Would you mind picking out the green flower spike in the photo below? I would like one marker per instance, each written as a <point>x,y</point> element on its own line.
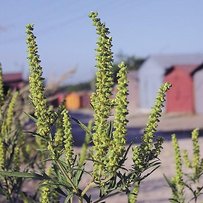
<point>178,179</point>
<point>141,153</point>
<point>148,151</point>
<point>100,100</point>
<point>16,159</point>
<point>120,121</point>
<point>132,198</point>
<point>44,194</point>
<point>1,154</point>
<point>68,139</point>
<point>42,112</point>
<point>196,152</point>
<point>154,117</point>
<point>196,164</point>
<point>59,135</point>
<point>186,159</point>
<point>7,123</point>
<point>84,150</point>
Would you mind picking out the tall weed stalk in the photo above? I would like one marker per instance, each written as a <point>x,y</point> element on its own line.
<point>61,178</point>
<point>187,185</point>
<point>14,152</point>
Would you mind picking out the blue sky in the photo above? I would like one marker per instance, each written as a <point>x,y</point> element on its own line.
<point>67,39</point>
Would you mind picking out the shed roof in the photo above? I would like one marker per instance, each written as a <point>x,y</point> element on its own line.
<point>168,60</point>
<point>80,93</point>
<point>189,68</point>
<point>12,77</point>
<point>200,67</point>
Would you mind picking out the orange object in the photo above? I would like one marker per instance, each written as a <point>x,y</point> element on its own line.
<point>77,100</point>
<point>73,101</point>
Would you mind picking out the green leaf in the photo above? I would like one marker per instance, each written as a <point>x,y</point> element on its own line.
<point>110,130</point>
<point>24,175</point>
<point>168,180</point>
<point>173,200</point>
<point>67,200</point>
<point>83,126</point>
<point>31,117</point>
<point>78,176</point>
<point>37,135</point>
<point>145,176</point>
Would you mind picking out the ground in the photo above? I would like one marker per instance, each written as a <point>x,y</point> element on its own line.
<point>155,189</point>
<point>169,122</point>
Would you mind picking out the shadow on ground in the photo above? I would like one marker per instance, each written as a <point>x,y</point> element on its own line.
<point>133,135</point>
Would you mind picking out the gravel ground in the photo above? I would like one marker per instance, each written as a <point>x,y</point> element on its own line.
<point>169,122</point>
<point>155,189</point>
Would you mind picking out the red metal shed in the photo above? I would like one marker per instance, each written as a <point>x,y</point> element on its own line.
<point>13,81</point>
<point>180,98</point>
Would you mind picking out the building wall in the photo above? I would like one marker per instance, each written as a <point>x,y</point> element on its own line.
<point>85,100</point>
<point>150,80</point>
<point>180,97</point>
<point>133,90</point>
<point>198,91</point>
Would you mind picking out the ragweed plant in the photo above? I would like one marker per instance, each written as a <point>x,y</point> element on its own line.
<point>12,142</point>
<point>118,142</point>
<point>101,100</point>
<point>37,93</point>
<point>188,174</point>
<point>177,184</point>
<point>68,139</point>
<point>145,156</point>
<point>102,163</point>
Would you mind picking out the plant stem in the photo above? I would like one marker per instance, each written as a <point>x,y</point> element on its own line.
<point>9,196</point>
<point>105,197</point>
<point>132,198</point>
<point>90,185</point>
<point>80,200</point>
<point>67,177</point>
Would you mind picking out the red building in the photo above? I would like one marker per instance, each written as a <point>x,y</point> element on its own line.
<point>180,98</point>
<point>13,81</point>
<point>56,99</point>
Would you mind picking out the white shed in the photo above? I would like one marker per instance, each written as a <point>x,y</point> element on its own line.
<point>198,89</point>
<point>151,74</point>
<point>133,97</point>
